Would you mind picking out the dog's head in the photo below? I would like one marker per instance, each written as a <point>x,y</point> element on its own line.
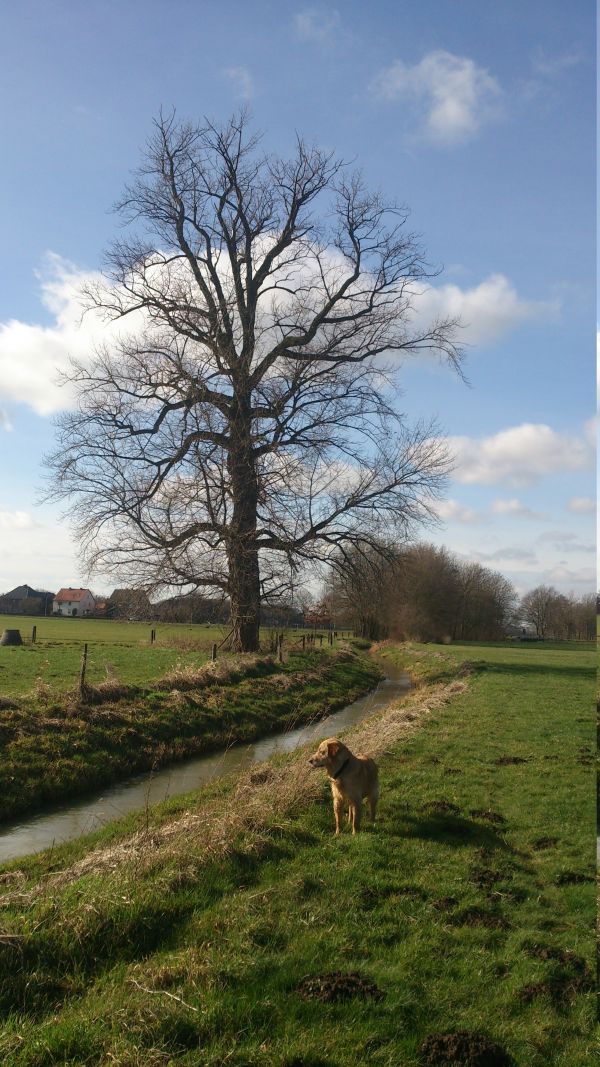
<point>327,753</point>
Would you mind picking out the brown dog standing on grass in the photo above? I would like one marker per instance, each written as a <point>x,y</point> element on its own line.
<point>352,778</point>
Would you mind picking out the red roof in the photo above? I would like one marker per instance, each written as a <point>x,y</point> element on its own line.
<point>72,594</point>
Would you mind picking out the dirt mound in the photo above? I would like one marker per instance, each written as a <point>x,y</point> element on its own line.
<point>488,816</point>
<point>506,761</point>
<point>569,975</point>
<point>339,985</point>
<point>486,878</point>
<point>444,903</point>
<point>544,842</point>
<point>465,1048</point>
<point>573,878</point>
<point>441,807</point>
<point>480,917</point>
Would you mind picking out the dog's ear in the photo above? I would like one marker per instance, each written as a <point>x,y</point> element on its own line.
<point>333,747</point>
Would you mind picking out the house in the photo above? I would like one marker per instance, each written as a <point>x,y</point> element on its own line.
<point>26,601</point>
<point>73,602</point>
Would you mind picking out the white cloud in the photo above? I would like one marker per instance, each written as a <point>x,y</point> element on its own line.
<point>582,505</point>
<point>5,423</point>
<point>515,508</point>
<point>487,311</point>
<point>16,520</point>
<point>32,357</point>
<point>452,511</point>
<point>551,66</point>
<point>583,576</point>
<point>455,96</point>
<point>508,554</point>
<point>242,81</point>
<point>316,25</point>
<point>519,455</point>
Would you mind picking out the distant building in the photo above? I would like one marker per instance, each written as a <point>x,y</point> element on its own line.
<point>26,601</point>
<point>74,602</point>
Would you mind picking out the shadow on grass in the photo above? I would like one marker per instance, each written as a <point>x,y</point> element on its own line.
<point>454,830</point>
<point>487,666</point>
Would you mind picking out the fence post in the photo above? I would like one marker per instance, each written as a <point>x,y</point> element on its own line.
<point>303,641</point>
<point>82,671</point>
<point>33,635</point>
<point>152,636</point>
<point>213,655</point>
<point>280,648</point>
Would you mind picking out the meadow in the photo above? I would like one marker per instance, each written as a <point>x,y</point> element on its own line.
<point>231,927</point>
<point>117,651</point>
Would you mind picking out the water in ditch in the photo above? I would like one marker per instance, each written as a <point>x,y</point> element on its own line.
<point>67,821</point>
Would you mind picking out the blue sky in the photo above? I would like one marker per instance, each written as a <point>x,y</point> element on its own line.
<point>480,117</point>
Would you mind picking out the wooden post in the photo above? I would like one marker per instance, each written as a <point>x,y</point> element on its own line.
<point>303,641</point>
<point>213,654</point>
<point>321,640</point>
<point>152,636</point>
<point>280,648</point>
<point>82,671</point>
<point>34,635</point>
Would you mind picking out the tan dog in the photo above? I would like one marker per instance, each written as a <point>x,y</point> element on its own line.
<point>352,778</point>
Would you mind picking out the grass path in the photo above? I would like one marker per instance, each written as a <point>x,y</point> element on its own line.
<point>213,939</point>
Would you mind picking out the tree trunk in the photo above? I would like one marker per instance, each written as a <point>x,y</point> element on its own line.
<point>244,594</point>
<point>244,576</point>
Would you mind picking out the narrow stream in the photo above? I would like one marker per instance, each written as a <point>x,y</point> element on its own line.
<point>72,819</point>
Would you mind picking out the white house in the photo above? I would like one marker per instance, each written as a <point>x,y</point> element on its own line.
<point>73,602</point>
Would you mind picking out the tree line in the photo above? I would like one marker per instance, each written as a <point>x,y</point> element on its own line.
<point>426,593</point>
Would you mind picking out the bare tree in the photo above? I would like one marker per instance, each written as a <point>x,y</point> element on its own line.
<point>247,424</point>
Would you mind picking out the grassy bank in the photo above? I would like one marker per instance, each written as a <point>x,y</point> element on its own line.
<point>54,748</point>
<point>236,929</point>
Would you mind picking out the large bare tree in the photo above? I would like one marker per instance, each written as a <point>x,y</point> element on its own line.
<point>246,423</point>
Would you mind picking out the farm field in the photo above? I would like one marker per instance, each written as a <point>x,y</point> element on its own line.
<point>117,651</point>
<point>232,927</point>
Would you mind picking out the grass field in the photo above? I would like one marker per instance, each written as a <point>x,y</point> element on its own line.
<point>119,651</point>
<point>235,929</point>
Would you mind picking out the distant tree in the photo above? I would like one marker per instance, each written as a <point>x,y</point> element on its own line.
<point>558,616</point>
<point>249,427</point>
<point>422,592</point>
<point>539,607</point>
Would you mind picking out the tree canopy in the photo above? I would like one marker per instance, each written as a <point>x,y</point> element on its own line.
<point>245,423</point>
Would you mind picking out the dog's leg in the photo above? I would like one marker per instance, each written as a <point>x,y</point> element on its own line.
<point>373,798</point>
<point>356,810</point>
<point>338,811</point>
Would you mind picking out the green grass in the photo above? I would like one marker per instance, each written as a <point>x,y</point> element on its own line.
<point>55,748</point>
<point>473,917</point>
<point>120,651</point>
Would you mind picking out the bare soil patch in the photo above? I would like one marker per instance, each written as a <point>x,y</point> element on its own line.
<point>441,807</point>
<point>337,986</point>
<point>481,917</point>
<point>488,816</point>
<point>543,843</point>
<point>507,761</point>
<point>464,1048</point>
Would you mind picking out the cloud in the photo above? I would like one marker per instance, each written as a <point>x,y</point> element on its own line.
<point>454,96</point>
<point>242,81</point>
<point>5,423</point>
<point>519,456</point>
<point>16,520</point>
<point>565,541</point>
<point>316,25</point>
<point>551,66</point>
<point>452,511</point>
<point>508,554</point>
<point>32,357</point>
<point>515,508</point>
<point>582,505</point>
<point>487,311</point>
<point>583,576</point>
